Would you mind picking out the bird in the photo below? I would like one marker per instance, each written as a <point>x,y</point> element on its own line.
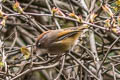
<point>57,42</point>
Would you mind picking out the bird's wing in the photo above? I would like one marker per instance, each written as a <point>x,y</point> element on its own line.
<point>66,34</point>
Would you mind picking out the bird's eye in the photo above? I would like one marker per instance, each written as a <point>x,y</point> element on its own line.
<point>38,45</point>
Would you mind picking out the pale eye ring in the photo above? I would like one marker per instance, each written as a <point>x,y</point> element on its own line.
<point>39,44</point>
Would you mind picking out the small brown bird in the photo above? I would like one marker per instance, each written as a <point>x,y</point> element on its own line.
<point>59,41</point>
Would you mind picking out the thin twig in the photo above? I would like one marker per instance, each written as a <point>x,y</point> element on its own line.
<point>83,66</point>
<point>34,69</point>
<point>60,72</point>
<point>106,54</point>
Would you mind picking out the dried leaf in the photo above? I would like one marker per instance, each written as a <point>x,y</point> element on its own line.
<point>57,11</point>
<point>116,30</point>
<point>107,23</point>
<point>117,2</point>
<point>1,13</point>
<point>25,52</point>
<point>79,18</point>
<point>1,64</point>
<point>17,7</point>
<point>72,15</point>
<point>54,10</point>
<point>92,17</point>
<point>3,22</point>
